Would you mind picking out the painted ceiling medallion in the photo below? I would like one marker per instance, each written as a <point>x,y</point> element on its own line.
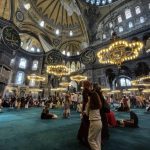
<point>19,16</point>
<point>88,57</point>
<point>54,57</point>
<point>11,38</point>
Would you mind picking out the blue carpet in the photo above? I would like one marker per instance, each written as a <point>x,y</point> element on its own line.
<point>24,130</point>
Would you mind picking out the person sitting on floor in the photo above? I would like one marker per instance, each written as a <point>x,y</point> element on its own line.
<point>132,122</point>
<point>112,122</point>
<point>121,108</point>
<point>46,115</point>
<point>148,108</point>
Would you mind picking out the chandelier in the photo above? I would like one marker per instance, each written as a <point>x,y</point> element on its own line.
<point>105,89</point>
<point>119,51</point>
<point>58,70</point>
<point>35,77</point>
<point>141,81</point>
<point>145,78</point>
<point>78,78</point>
<point>35,90</point>
<point>146,91</point>
<point>100,2</point>
<point>64,84</point>
<point>58,89</point>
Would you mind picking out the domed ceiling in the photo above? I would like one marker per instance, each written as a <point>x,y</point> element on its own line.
<point>55,24</point>
<point>5,9</point>
<point>61,21</point>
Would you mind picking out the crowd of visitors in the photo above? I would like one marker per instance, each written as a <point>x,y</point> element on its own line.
<point>94,107</point>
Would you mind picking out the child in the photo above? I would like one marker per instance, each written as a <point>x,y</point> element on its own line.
<point>66,113</point>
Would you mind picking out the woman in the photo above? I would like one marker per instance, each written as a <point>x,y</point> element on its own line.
<point>94,137</point>
<point>84,126</point>
<point>105,109</point>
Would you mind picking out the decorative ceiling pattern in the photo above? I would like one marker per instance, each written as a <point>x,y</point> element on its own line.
<point>100,2</point>
<point>63,16</point>
<point>5,10</point>
<point>55,13</point>
<point>55,24</point>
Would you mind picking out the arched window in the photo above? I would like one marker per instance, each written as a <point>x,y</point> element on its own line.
<point>137,10</point>
<point>73,67</point>
<point>120,29</point>
<point>23,63</point>
<point>12,62</point>
<point>111,32</point>
<point>78,65</point>
<point>35,65</point>
<point>119,19</point>
<point>142,19</point>
<point>68,65</point>
<point>123,81</point>
<point>20,77</point>
<point>128,13</point>
<point>104,36</point>
<point>64,52</point>
<point>32,83</point>
<point>130,25</point>
<point>68,53</point>
<point>110,25</point>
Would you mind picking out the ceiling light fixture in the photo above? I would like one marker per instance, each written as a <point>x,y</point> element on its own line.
<point>119,51</point>
<point>64,84</point>
<point>58,70</point>
<point>35,77</point>
<point>78,78</point>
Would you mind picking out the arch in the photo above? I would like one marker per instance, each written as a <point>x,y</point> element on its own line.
<point>78,65</point>
<point>73,67</point>
<point>68,65</point>
<point>121,82</point>
<point>124,70</point>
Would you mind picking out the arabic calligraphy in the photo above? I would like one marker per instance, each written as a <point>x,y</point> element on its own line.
<point>88,57</point>
<point>11,38</point>
<point>54,57</point>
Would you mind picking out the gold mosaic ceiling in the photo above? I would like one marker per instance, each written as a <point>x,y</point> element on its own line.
<point>5,9</point>
<point>62,15</point>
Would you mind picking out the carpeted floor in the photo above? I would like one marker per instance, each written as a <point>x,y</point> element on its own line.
<point>24,130</point>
